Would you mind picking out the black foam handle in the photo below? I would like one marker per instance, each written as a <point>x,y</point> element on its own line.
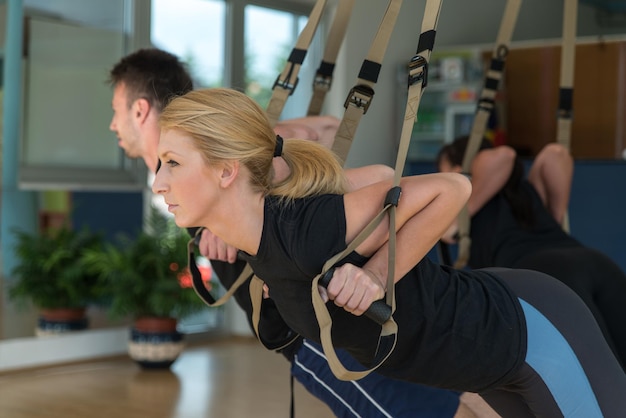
<point>378,311</point>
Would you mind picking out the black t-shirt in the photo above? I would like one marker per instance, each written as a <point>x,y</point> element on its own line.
<point>457,329</point>
<point>499,240</point>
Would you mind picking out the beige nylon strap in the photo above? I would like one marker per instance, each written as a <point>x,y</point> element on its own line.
<point>360,96</point>
<point>390,328</point>
<point>417,73</point>
<point>287,80</point>
<point>568,58</point>
<point>256,295</point>
<point>324,78</point>
<point>484,110</point>
<point>203,292</point>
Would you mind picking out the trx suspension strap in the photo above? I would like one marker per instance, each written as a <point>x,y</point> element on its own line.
<point>417,77</point>
<point>484,109</point>
<point>287,81</point>
<point>196,277</point>
<point>324,74</point>
<point>566,90</point>
<point>377,50</point>
<point>360,96</point>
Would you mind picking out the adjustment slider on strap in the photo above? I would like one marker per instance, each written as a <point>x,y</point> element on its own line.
<point>322,82</point>
<point>486,104</point>
<point>284,84</point>
<point>360,96</point>
<point>418,70</point>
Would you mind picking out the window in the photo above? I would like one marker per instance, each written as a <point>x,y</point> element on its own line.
<point>198,31</point>
<point>66,143</point>
<point>269,38</point>
<point>194,31</point>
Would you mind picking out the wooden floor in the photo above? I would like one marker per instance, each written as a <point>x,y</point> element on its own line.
<point>234,378</point>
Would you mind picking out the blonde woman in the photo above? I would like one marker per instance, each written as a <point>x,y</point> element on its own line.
<point>503,333</point>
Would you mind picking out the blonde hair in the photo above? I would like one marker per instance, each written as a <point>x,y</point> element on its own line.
<point>228,125</point>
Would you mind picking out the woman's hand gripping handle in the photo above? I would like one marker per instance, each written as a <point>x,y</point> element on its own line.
<point>378,311</point>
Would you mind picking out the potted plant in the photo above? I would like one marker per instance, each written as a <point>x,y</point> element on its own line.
<point>147,279</point>
<point>51,274</point>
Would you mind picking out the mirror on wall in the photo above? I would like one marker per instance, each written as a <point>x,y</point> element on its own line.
<point>64,143</point>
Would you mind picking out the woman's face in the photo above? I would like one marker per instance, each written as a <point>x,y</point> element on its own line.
<point>188,184</point>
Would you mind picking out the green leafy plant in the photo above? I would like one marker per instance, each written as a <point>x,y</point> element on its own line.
<point>51,271</point>
<point>148,275</point>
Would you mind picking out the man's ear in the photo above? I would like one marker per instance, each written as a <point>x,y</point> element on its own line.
<point>141,110</point>
<point>229,172</point>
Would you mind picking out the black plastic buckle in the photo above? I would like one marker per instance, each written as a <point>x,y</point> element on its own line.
<point>360,96</point>
<point>322,82</point>
<point>486,104</point>
<point>565,114</point>
<point>285,84</point>
<point>393,196</point>
<point>418,70</point>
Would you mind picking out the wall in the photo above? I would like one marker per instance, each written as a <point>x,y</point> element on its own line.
<point>539,21</point>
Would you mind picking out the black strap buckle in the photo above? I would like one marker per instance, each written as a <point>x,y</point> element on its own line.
<point>565,114</point>
<point>393,196</point>
<point>360,96</point>
<point>322,82</point>
<point>418,70</point>
<point>284,84</point>
<point>486,104</point>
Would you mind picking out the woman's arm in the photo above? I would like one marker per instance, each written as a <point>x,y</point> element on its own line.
<point>427,206</point>
<point>365,176</point>
<point>551,175</point>
<point>491,169</point>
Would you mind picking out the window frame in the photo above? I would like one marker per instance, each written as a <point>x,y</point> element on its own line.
<point>131,174</point>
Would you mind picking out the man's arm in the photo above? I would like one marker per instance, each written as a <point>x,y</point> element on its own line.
<point>321,129</point>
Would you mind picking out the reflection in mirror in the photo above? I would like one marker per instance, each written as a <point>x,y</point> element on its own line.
<point>67,47</point>
<point>67,54</point>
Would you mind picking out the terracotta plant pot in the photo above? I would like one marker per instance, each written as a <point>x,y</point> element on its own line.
<point>61,321</point>
<point>154,342</point>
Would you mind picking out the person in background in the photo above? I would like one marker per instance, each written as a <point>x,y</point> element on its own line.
<point>520,338</point>
<point>143,83</point>
<point>516,222</point>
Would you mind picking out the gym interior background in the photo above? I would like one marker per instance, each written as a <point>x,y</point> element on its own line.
<point>59,159</point>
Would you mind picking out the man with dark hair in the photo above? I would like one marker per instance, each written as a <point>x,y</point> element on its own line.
<point>143,83</point>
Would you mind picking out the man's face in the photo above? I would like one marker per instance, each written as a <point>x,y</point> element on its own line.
<point>125,123</point>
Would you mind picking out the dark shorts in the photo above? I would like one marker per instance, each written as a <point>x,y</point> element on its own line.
<point>374,395</point>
